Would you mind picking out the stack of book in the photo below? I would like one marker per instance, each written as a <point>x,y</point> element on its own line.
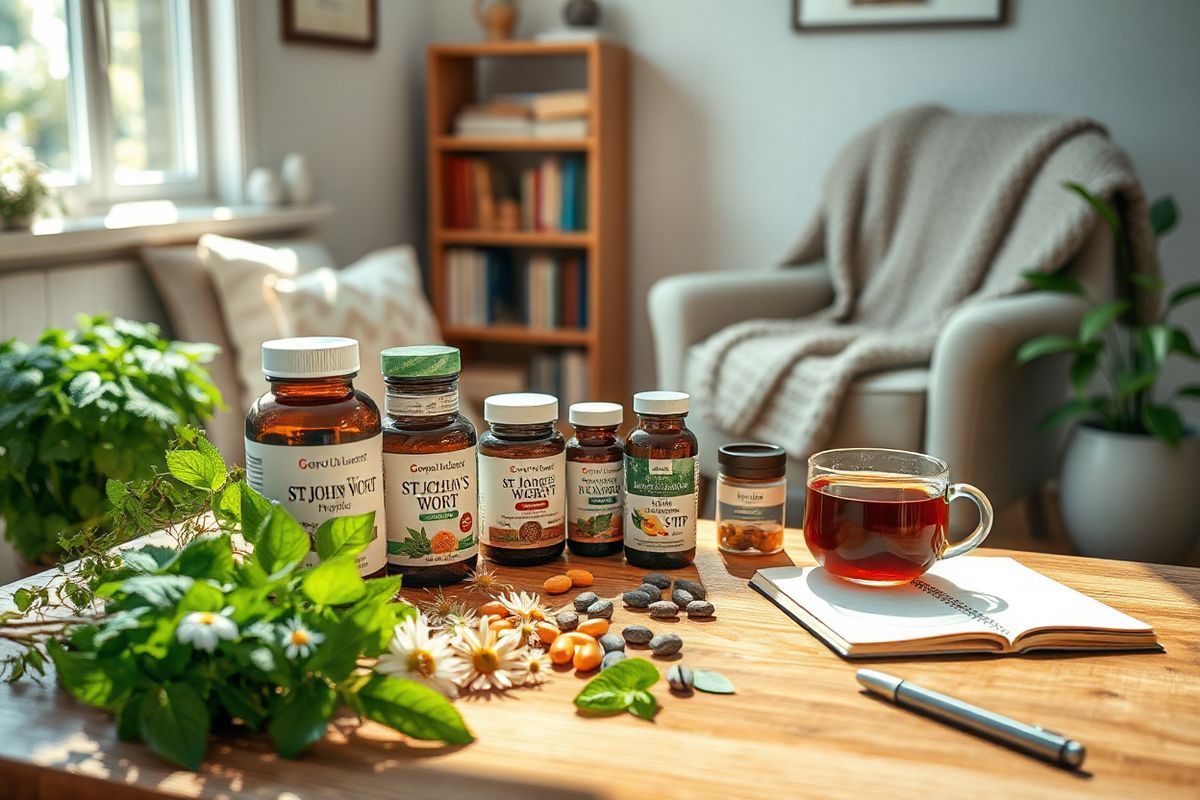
<point>531,115</point>
<point>550,197</point>
<point>489,287</point>
<point>562,373</point>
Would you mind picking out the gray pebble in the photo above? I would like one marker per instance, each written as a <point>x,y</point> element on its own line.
<point>681,597</point>
<point>700,608</point>
<point>666,644</point>
<point>566,621</point>
<point>680,678</point>
<point>637,634</point>
<point>600,608</point>
<point>612,641</point>
<point>664,609</point>
<point>585,599</point>
<point>654,592</point>
<point>657,579</point>
<point>636,599</point>
<point>611,658</point>
<point>696,590</point>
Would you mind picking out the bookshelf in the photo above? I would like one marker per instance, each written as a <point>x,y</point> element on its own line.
<point>454,77</point>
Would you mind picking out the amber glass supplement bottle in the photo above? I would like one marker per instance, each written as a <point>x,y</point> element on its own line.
<point>522,471</point>
<point>595,480</point>
<point>314,443</point>
<point>751,498</point>
<point>662,483</point>
<point>428,468</point>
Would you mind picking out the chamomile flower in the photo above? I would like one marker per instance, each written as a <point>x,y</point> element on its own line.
<point>415,653</point>
<point>438,609</point>
<point>459,623</point>
<point>525,606</point>
<point>526,630</point>
<point>491,658</point>
<point>298,639</point>
<point>204,629</point>
<point>485,581</point>
<point>534,667</point>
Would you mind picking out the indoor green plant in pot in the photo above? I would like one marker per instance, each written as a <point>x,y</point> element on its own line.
<point>81,407</point>
<point>23,190</point>
<point>1130,486</point>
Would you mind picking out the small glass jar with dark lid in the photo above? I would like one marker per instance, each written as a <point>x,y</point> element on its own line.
<point>751,498</point>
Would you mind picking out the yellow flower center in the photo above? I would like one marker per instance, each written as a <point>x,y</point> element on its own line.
<point>207,618</point>
<point>300,637</point>
<point>535,667</point>
<point>485,661</point>
<point>422,663</point>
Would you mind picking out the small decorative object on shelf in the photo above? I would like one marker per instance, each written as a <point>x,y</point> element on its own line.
<point>264,188</point>
<point>581,13</point>
<point>314,443</point>
<point>23,192</point>
<point>298,179</point>
<point>498,18</point>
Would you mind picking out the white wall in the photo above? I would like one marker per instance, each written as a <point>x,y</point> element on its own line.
<point>357,115</point>
<point>736,116</point>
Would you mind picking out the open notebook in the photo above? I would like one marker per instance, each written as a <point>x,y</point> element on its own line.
<point>962,605</point>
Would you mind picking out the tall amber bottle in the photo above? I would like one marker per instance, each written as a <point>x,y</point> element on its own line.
<point>429,470</point>
<point>662,481</point>
<point>595,480</point>
<point>314,443</point>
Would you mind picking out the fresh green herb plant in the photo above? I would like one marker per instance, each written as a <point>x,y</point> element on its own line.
<point>178,641</point>
<point>622,687</point>
<point>1120,341</point>
<point>23,190</point>
<point>81,407</point>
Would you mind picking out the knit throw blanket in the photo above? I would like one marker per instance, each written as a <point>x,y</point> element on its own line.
<point>921,214</point>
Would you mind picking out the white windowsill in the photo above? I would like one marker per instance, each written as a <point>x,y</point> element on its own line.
<point>132,225</point>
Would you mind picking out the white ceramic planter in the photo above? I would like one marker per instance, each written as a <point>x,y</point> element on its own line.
<point>1131,497</point>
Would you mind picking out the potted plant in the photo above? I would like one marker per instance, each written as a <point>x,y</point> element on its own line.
<point>23,191</point>
<point>84,406</point>
<point>1130,485</point>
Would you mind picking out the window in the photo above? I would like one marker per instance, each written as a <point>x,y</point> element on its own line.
<point>107,93</point>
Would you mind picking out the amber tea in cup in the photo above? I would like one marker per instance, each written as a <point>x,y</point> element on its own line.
<point>880,517</point>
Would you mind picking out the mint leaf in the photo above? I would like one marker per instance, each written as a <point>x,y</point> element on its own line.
<point>23,598</point>
<point>620,687</point>
<point>334,582</point>
<point>412,709</point>
<point>282,543</point>
<point>207,557</point>
<point>301,719</point>
<point>255,510</point>
<point>228,505</point>
<point>159,591</point>
<point>643,705</point>
<point>103,683</point>
<point>337,656</point>
<point>173,722</point>
<point>196,469</point>
<point>711,682</point>
<point>345,535</point>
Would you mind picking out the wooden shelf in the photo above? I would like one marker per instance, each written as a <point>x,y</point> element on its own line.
<point>518,334</point>
<point>497,144</point>
<point>515,238</point>
<point>515,48</point>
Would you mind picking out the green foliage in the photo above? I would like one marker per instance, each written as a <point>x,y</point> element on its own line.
<point>1115,340</point>
<point>594,526</point>
<point>622,687</point>
<point>137,658</point>
<point>81,408</point>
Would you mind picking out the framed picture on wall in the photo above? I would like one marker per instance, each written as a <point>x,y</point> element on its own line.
<point>339,23</point>
<point>825,15</point>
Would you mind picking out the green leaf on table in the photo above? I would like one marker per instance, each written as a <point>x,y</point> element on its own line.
<point>1050,344</point>
<point>173,722</point>
<point>206,557</point>
<point>1183,294</point>
<point>103,683</point>
<point>301,718</point>
<point>1163,215</point>
<point>412,709</point>
<point>1106,211</point>
<point>345,535</point>
<point>196,469</point>
<point>1097,319</point>
<point>711,682</point>
<point>255,511</point>
<point>333,582</point>
<point>1163,422</point>
<point>617,688</point>
<point>241,703</point>
<point>282,543</point>
<point>1053,282</point>
<point>643,705</point>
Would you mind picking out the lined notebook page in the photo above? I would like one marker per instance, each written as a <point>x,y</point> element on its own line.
<point>965,596</point>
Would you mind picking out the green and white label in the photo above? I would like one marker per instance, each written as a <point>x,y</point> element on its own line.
<point>432,507</point>
<point>661,503</point>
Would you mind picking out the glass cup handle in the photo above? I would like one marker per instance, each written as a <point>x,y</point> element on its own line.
<point>981,531</point>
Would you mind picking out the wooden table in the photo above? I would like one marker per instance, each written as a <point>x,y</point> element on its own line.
<point>798,726</point>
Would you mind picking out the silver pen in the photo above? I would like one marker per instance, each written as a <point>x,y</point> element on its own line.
<point>1028,738</point>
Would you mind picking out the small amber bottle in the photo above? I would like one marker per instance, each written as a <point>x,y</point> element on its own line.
<point>595,480</point>
<point>313,441</point>
<point>429,471</point>
<point>662,482</point>
<point>522,468</point>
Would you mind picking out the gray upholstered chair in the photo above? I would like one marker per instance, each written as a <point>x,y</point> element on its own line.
<point>970,406</point>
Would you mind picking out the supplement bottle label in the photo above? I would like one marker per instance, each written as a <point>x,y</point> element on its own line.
<point>521,503</point>
<point>319,482</point>
<point>431,507</point>
<point>421,405</point>
<point>594,508</point>
<point>661,503</point>
<point>751,504</point>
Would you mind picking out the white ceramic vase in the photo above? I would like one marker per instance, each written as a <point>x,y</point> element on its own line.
<point>1131,497</point>
<point>298,179</point>
<point>263,188</point>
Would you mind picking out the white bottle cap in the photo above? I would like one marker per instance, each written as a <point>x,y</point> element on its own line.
<point>521,408</point>
<point>310,357</point>
<point>596,415</point>
<point>661,402</point>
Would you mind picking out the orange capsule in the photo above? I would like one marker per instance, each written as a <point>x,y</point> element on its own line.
<point>546,632</point>
<point>580,577</point>
<point>587,656</point>
<point>594,627</point>
<point>499,625</point>
<point>557,584</point>
<point>493,609</point>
